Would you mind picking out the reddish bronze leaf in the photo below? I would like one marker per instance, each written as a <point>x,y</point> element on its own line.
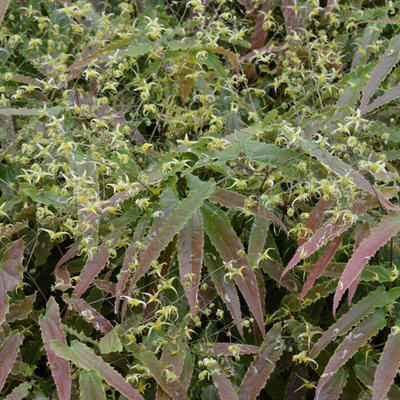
<point>190,256</point>
<point>8,353</point>
<point>50,325</point>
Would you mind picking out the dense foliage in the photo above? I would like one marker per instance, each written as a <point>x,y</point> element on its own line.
<point>188,190</point>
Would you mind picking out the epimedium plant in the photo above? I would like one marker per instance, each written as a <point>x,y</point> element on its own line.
<point>189,189</point>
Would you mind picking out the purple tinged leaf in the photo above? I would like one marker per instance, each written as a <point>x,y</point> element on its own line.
<point>316,216</point>
<point>85,358</point>
<point>175,359</point>
<point>333,388</point>
<point>350,345</point>
<point>224,238</point>
<point>226,289</point>
<point>91,386</point>
<point>171,226</point>
<point>95,265</point>
<point>128,259</point>
<point>360,234</point>
<point>20,392</point>
<point>223,384</point>
<point>190,256</point>
<point>388,365</point>
<point>320,265</point>
<point>263,364</point>
<point>8,354</point>
<point>383,232</point>
<point>21,310</point>
<point>237,201</point>
<point>61,272</point>
<point>357,312</point>
<point>391,94</point>
<point>329,8</point>
<point>159,371</point>
<point>10,273</point>
<point>89,313</point>
<point>385,65</point>
<point>3,8</point>
<point>274,270</point>
<point>329,231</point>
<point>292,17</point>
<point>50,325</point>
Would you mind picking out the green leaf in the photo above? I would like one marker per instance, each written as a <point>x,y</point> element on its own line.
<point>20,392</point>
<point>110,342</point>
<point>90,386</point>
<point>258,234</point>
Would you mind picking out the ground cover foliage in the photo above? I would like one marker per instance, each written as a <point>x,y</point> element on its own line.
<point>199,200</point>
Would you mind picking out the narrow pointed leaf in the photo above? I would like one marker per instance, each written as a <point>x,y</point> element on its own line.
<point>158,370</point>
<point>190,256</point>
<point>391,94</point>
<point>8,354</point>
<point>275,270</point>
<point>333,388</point>
<point>350,345</point>
<point>320,265</point>
<point>88,312</point>
<point>61,273</point>
<point>95,265</point>
<point>50,325</point>
<point>328,231</point>
<point>90,386</point>
<point>388,366</point>
<point>85,358</point>
<point>238,202</point>
<point>226,289</point>
<point>223,384</point>
<point>173,357</point>
<point>10,273</point>
<point>360,234</point>
<point>172,225</point>
<point>357,312</point>
<point>366,371</point>
<point>263,364</point>
<point>21,310</point>
<point>20,392</point>
<point>126,264</point>
<point>3,8</point>
<point>292,17</point>
<point>383,232</point>
<point>258,234</point>
<point>385,65</point>
<point>316,216</point>
<point>224,238</point>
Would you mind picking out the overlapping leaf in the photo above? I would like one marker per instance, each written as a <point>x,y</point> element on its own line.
<point>85,358</point>
<point>10,273</point>
<point>50,325</point>
<point>8,353</point>
<point>357,338</point>
<point>385,230</point>
<point>224,238</point>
